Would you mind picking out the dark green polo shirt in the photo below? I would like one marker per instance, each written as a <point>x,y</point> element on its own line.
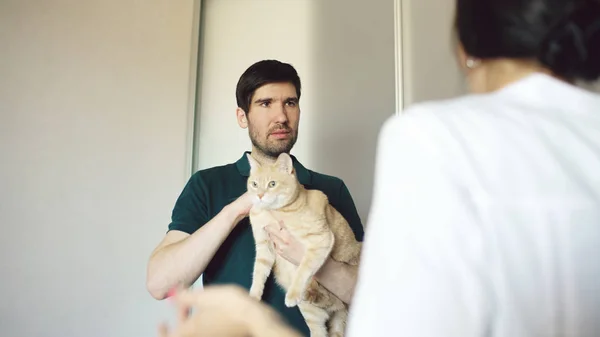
<point>209,190</point>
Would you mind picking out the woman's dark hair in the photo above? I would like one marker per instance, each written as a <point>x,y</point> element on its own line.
<point>261,73</point>
<point>563,35</point>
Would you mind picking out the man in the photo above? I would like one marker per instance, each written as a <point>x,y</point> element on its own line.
<point>210,232</point>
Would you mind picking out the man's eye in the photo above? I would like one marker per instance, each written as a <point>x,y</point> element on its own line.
<point>291,104</point>
<point>265,104</point>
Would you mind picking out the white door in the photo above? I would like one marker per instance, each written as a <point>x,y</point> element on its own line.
<point>430,69</point>
<point>343,51</point>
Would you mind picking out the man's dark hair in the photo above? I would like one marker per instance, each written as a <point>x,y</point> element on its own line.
<point>563,35</point>
<point>261,73</point>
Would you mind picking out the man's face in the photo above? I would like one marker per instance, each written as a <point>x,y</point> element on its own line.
<point>273,118</point>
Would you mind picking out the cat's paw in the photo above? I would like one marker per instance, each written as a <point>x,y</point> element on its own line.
<point>292,298</point>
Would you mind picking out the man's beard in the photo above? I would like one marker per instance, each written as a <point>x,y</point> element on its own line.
<point>273,148</point>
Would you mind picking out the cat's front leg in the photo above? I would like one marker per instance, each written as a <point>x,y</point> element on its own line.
<point>263,264</point>
<point>317,252</point>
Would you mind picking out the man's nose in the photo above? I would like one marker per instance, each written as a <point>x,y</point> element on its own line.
<point>281,114</point>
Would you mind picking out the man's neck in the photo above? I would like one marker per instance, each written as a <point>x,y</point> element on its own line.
<point>262,158</point>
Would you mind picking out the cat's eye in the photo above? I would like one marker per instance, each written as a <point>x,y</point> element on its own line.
<point>254,184</point>
<point>272,184</point>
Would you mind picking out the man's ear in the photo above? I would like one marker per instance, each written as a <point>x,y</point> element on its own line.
<point>241,118</point>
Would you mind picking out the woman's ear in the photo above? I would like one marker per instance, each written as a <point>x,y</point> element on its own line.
<point>241,118</point>
<point>461,56</point>
<point>466,62</point>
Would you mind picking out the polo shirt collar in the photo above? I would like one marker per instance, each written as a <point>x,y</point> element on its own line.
<point>304,176</point>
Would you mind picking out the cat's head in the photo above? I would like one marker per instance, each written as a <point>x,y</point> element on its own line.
<point>273,185</point>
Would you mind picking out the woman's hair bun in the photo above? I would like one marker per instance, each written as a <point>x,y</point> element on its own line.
<point>572,48</point>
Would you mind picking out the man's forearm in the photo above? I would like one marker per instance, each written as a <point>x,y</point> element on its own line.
<point>339,278</point>
<point>182,262</point>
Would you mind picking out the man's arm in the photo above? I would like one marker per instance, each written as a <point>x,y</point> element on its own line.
<point>339,277</point>
<point>180,258</point>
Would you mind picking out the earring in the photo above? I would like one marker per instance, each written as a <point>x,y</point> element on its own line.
<point>472,63</point>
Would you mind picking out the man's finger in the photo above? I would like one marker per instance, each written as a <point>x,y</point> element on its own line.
<point>282,224</point>
<point>281,234</point>
<point>278,242</point>
<point>273,229</point>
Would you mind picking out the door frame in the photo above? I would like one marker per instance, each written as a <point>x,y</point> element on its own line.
<point>398,55</point>
<point>193,120</point>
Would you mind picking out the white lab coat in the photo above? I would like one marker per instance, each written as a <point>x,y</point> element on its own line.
<point>485,219</point>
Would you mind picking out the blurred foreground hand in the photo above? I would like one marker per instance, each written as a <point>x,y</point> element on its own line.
<point>223,311</point>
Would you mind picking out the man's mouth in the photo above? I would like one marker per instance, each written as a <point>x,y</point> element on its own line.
<point>280,134</point>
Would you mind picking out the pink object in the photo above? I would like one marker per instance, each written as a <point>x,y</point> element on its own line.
<point>171,292</point>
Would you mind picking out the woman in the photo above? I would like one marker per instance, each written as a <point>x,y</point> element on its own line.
<point>486,213</point>
<point>486,210</point>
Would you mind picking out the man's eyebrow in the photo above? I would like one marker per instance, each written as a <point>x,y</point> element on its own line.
<point>263,100</point>
<point>291,99</point>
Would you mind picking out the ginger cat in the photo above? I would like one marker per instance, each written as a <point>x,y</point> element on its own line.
<point>308,216</point>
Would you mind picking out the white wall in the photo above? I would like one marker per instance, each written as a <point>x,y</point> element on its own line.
<point>430,68</point>
<point>344,53</point>
<point>93,145</point>
<point>95,130</point>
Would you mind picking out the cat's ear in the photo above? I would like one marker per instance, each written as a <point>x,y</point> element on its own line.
<point>254,165</point>
<point>284,163</point>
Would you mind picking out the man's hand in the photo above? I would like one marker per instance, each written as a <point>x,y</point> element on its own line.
<point>226,311</point>
<point>337,277</point>
<point>241,206</point>
<point>181,258</point>
<point>286,245</point>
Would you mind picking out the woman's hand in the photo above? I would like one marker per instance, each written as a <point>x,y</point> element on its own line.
<point>225,311</point>
<point>286,245</point>
<point>218,311</point>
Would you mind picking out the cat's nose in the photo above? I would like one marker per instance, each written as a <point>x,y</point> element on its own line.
<point>260,195</point>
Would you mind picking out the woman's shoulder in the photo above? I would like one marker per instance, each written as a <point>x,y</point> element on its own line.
<point>538,94</point>
<point>431,115</point>
<point>440,130</point>
<point>451,106</point>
